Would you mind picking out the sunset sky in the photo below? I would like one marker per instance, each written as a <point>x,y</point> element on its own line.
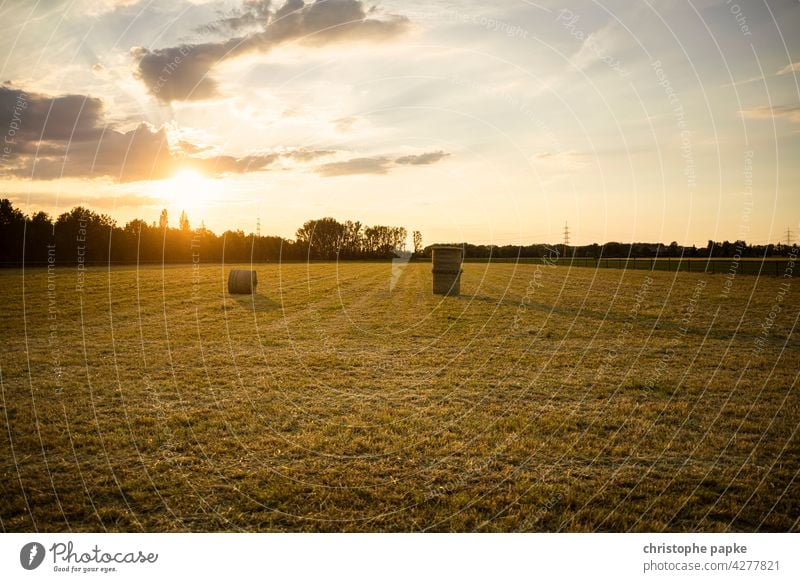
<point>492,122</point>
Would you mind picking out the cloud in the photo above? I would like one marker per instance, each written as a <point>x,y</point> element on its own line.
<point>65,117</point>
<point>345,124</point>
<point>232,165</point>
<point>565,160</point>
<point>251,163</point>
<point>422,159</point>
<point>304,155</point>
<point>253,14</point>
<point>791,112</point>
<point>190,148</point>
<point>67,136</point>
<point>100,7</point>
<point>182,73</point>
<point>790,68</point>
<point>376,165</point>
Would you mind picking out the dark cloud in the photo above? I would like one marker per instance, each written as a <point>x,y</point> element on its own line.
<point>253,14</point>
<point>422,159</point>
<point>139,154</point>
<point>65,117</point>
<point>66,136</point>
<point>377,165</point>
<point>181,73</point>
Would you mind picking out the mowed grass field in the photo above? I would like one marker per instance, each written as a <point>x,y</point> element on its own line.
<point>542,399</point>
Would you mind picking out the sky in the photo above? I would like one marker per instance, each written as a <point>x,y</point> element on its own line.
<point>488,122</point>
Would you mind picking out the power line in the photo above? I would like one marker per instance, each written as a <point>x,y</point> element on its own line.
<point>788,236</point>
<point>566,234</point>
<point>258,227</point>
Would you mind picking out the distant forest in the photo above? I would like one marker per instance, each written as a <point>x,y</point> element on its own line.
<point>83,236</point>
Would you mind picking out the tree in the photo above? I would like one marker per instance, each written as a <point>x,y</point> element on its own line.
<point>38,235</point>
<point>184,221</point>
<point>322,237</point>
<point>83,235</point>
<point>351,240</point>
<point>673,249</point>
<point>417,238</point>
<point>10,215</point>
<point>163,220</point>
<point>12,227</point>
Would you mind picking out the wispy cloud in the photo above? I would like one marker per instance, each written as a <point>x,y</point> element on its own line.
<point>422,159</point>
<point>345,124</point>
<point>377,164</point>
<point>566,160</point>
<point>790,112</point>
<point>790,68</point>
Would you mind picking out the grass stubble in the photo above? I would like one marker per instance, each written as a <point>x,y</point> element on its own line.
<point>542,399</point>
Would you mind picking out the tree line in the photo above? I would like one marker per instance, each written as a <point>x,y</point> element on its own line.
<point>81,235</point>
<point>713,249</point>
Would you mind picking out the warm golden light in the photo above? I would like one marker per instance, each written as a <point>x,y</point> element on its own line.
<point>187,190</point>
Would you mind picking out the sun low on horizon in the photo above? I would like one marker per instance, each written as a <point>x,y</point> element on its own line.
<point>188,190</point>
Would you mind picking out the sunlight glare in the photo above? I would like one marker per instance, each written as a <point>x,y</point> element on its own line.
<point>187,190</point>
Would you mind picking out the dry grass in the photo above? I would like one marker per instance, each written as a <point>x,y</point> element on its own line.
<point>555,401</point>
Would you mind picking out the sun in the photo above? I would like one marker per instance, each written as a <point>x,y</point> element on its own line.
<point>187,189</point>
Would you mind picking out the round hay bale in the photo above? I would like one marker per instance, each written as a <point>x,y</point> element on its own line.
<point>447,283</point>
<point>446,270</point>
<point>447,259</point>
<point>242,282</point>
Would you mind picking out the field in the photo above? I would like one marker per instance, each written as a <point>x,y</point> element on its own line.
<point>545,398</point>
<point>766,267</point>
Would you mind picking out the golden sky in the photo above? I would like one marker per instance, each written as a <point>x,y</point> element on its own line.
<point>491,122</point>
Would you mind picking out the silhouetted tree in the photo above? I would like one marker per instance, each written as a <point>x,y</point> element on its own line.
<point>12,228</point>
<point>184,221</point>
<point>322,237</point>
<point>81,234</point>
<point>417,241</point>
<point>38,235</point>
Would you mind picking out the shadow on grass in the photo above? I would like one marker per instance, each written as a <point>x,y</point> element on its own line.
<point>256,302</point>
<point>479,298</point>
